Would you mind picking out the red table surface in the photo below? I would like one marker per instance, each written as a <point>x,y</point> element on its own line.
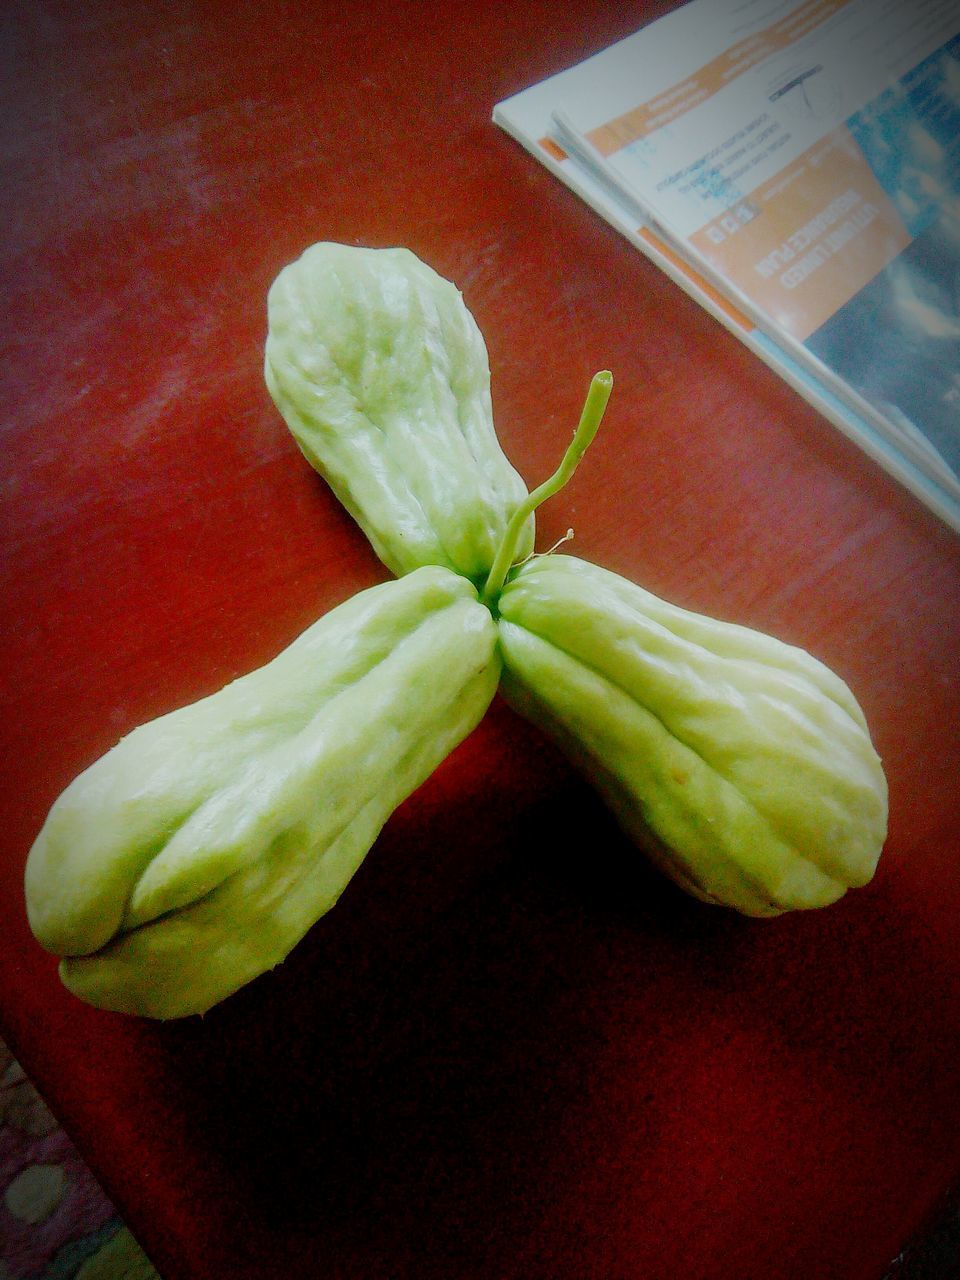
<point>512,1050</point>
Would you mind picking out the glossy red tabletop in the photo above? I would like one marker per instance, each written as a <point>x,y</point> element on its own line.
<point>512,1051</point>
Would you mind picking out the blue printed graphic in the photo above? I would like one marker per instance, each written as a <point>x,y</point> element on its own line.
<point>910,137</point>
<point>898,341</point>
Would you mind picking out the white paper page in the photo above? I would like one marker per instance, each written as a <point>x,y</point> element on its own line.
<point>716,116</point>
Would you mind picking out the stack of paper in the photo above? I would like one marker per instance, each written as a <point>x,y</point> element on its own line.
<point>795,166</point>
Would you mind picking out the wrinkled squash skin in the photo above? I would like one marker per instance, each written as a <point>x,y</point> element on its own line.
<point>742,764</point>
<point>196,853</point>
<point>381,374</point>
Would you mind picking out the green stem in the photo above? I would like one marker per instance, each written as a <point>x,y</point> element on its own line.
<point>587,428</point>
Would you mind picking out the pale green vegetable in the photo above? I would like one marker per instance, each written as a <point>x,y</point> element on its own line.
<point>381,374</point>
<point>197,852</point>
<point>743,765</point>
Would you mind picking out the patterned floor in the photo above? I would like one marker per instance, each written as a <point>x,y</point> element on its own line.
<point>55,1221</point>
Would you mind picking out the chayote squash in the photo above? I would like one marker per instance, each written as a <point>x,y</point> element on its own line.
<point>742,764</point>
<point>197,852</point>
<point>381,374</point>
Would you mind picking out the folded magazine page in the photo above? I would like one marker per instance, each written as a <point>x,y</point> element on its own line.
<point>796,166</point>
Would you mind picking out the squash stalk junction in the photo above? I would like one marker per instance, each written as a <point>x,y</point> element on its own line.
<point>590,418</point>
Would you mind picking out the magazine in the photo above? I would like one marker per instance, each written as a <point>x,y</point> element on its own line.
<point>795,166</point>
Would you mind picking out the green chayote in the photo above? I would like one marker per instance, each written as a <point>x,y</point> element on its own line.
<point>381,374</point>
<point>742,764</point>
<point>195,854</point>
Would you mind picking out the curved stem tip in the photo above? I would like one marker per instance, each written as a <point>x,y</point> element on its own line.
<point>590,419</point>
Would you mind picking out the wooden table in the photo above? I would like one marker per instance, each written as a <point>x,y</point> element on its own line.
<point>512,1050</point>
